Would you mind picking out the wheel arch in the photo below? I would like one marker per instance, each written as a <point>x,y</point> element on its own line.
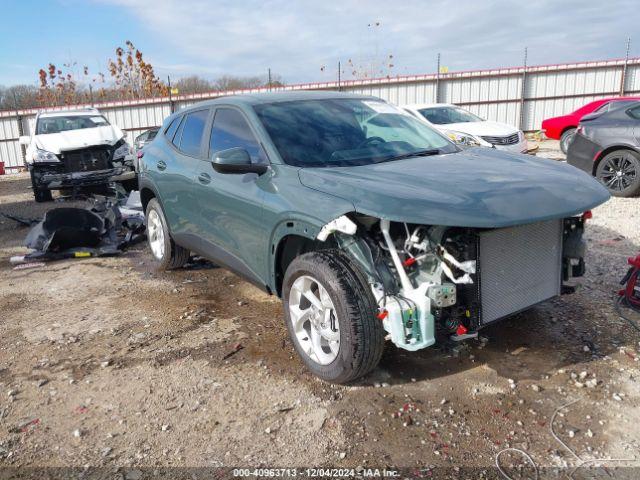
<point>147,192</point>
<point>291,238</point>
<point>566,128</point>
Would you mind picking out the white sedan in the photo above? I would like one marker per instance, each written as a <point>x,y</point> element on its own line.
<point>467,129</point>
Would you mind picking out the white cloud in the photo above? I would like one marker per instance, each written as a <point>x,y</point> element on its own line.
<point>296,38</point>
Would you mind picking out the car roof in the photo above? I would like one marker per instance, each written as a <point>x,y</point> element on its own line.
<point>278,97</point>
<point>69,113</point>
<point>611,99</point>
<point>428,105</point>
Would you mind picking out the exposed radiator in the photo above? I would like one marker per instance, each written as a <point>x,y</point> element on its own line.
<point>519,267</point>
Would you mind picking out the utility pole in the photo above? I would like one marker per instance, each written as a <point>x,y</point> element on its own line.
<point>269,72</point>
<point>23,149</point>
<point>171,106</point>
<point>523,89</point>
<point>437,92</point>
<point>339,69</point>
<point>91,94</point>
<point>623,79</point>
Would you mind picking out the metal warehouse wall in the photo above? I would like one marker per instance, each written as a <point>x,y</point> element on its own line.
<point>498,94</point>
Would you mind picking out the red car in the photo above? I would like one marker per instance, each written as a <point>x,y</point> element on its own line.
<point>564,128</point>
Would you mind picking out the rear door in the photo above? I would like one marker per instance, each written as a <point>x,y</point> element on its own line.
<point>177,175</point>
<point>230,224</point>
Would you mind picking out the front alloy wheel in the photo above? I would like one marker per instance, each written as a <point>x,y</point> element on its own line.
<point>313,320</point>
<point>331,316</point>
<point>619,171</point>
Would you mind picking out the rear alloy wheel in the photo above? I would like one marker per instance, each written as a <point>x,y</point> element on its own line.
<point>331,316</point>
<point>619,171</point>
<point>166,253</point>
<point>566,139</point>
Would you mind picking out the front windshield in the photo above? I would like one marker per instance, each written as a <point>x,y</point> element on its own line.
<point>446,115</point>
<point>59,124</point>
<point>347,132</point>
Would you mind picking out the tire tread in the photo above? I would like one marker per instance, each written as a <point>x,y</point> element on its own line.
<point>366,332</point>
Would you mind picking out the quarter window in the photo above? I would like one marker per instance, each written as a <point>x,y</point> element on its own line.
<point>231,130</point>
<point>171,129</point>
<point>192,132</point>
<point>178,135</point>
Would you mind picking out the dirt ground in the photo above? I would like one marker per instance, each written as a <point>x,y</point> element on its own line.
<point>109,363</point>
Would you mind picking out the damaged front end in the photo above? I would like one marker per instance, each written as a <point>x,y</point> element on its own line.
<point>85,168</point>
<point>429,278</point>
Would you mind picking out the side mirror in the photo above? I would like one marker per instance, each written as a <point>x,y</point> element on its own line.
<point>236,160</point>
<point>24,140</point>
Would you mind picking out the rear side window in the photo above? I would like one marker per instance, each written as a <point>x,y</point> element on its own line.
<point>231,130</point>
<point>634,112</point>
<point>171,129</point>
<point>192,133</point>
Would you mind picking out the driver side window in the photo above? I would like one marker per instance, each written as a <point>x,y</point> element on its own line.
<point>231,130</point>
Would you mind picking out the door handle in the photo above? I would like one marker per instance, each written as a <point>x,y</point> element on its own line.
<point>204,178</point>
<point>161,165</point>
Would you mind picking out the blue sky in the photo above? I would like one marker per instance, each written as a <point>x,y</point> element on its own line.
<point>297,38</point>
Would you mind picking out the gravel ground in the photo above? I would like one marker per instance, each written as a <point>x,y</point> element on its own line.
<point>108,363</point>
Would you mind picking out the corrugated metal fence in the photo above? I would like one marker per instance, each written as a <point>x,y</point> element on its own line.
<point>518,96</point>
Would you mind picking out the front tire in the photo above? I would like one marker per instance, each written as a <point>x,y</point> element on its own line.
<point>330,313</point>
<point>40,194</point>
<point>619,171</point>
<point>566,138</point>
<point>166,253</point>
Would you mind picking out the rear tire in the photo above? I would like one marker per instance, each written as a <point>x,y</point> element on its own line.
<point>343,290</point>
<point>166,254</point>
<point>40,194</point>
<point>619,172</point>
<point>566,138</point>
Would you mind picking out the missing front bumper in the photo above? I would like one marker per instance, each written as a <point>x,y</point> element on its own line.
<point>52,180</point>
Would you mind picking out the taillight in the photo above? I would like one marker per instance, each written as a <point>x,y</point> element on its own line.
<point>588,215</point>
<point>140,153</point>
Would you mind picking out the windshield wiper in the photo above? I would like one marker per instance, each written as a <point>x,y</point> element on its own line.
<point>419,153</point>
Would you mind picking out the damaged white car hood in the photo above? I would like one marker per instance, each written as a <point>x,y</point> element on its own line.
<point>75,139</point>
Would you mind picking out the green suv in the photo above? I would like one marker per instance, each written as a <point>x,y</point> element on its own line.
<point>370,225</point>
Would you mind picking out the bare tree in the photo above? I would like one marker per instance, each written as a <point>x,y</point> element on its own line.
<point>133,76</point>
<point>231,82</point>
<point>193,84</point>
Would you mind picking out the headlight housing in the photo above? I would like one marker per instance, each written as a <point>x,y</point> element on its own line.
<point>43,156</point>
<point>463,139</point>
<point>121,152</point>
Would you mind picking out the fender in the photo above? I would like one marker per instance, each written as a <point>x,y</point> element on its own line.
<point>296,224</point>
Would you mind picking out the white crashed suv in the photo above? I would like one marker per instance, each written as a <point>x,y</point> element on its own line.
<point>76,150</point>
<point>466,129</point>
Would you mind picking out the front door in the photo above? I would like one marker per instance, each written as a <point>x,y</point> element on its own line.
<point>231,226</point>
